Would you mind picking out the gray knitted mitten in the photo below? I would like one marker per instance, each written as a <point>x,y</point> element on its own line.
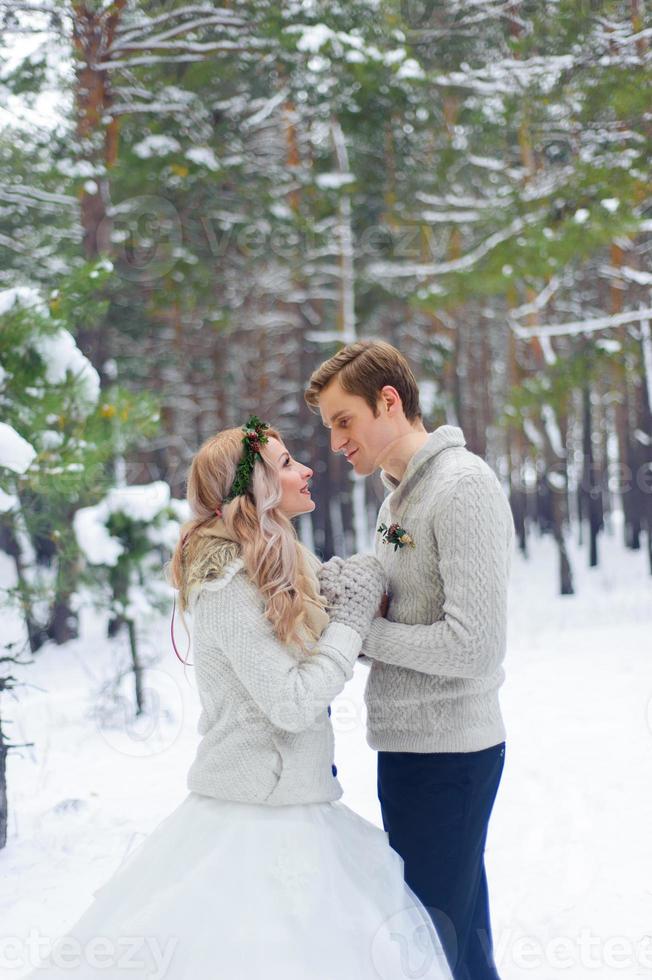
<point>353,590</point>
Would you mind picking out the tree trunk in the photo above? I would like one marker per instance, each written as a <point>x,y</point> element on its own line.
<point>565,572</point>
<point>644,474</point>
<point>517,499</point>
<point>7,683</point>
<point>93,34</point>
<point>137,667</point>
<point>590,487</point>
<point>553,506</point>
<point>64,622</point>
<point>346,324</point>
<point>4,815</point>
<point>36,634</point>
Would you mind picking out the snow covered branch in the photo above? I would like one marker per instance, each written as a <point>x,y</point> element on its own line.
<point>195,52</point>
<point>583,326</point>
<point>539,302</point>
<point>266,110</point>
<point>126,108</point>
<point>627,274</point>
<point>135,43</point>
<point>503,76</point>
<point>189,10</point>
<point>464,263</point>
<point>33,196</point>
<point>16,7</point>
<point>11,244</point>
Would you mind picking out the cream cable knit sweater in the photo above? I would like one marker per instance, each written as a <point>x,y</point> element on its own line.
<point>437,658</point>
<point>267,736</point>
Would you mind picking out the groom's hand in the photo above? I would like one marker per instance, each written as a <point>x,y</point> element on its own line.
<point>384,606</point>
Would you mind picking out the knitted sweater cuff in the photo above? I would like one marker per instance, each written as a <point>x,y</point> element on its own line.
<point>344,639</point>
<point>374,636</point>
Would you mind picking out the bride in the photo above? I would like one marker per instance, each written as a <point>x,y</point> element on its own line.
<point>260,872</point>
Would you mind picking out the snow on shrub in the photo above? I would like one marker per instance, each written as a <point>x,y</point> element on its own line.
<point>126,539</point>
<point>16,453</point>
<point>58,440</point>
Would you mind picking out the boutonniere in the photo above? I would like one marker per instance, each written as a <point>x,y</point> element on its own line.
<point>396,535</point>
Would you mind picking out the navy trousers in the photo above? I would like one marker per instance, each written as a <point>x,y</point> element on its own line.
<point>436,808</point>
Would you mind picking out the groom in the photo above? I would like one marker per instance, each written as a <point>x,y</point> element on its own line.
<point>444,537</point>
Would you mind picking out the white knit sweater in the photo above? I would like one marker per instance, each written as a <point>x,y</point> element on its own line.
<point>266,732</point>
<point>437,658</point>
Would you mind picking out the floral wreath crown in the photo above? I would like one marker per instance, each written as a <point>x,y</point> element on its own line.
<point>254,437</point>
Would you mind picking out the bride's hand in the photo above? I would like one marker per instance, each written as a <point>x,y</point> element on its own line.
<point>353,589</point>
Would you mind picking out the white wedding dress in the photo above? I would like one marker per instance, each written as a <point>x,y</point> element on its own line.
<point>239,891</point>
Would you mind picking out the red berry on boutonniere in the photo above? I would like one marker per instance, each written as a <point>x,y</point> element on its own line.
<point>396,535</point>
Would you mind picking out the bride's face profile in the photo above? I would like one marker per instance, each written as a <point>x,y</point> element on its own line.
<point>294,478</point>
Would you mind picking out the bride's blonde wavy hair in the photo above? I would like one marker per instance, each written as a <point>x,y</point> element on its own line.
<point>266,539</point>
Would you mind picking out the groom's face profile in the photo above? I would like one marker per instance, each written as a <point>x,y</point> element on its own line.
<point>356,432</point>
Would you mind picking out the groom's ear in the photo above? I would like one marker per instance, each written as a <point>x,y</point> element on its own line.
<point>389,400</point>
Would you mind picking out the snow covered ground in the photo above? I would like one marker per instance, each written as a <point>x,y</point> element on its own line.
<point>570,848</point>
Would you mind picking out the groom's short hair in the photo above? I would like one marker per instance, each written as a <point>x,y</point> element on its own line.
<point>364,368</point>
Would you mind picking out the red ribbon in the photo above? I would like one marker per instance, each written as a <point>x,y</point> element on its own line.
<point>186,663</point>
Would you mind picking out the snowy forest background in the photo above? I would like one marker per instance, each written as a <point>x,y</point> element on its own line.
<point>199,203</point>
